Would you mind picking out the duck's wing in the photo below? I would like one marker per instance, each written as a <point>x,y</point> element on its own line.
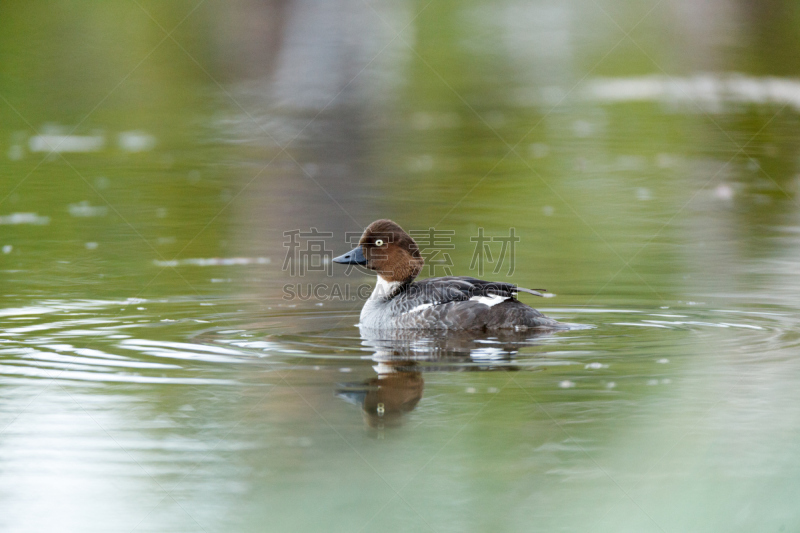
<point>439,290</point>
<point>455,288</point>
<point>464,303</point>
<point>488,288</point>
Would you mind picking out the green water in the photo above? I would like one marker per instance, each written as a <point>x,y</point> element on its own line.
<point>155,375</point>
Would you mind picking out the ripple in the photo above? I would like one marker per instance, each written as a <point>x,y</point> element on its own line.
<point>103,347</point>
<point>55,345</point>
<point>611,333</point>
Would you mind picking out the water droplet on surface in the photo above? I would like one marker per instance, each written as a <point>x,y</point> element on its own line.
<point>724,192</point>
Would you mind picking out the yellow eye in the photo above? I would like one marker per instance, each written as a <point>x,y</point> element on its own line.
<point>379,242</point>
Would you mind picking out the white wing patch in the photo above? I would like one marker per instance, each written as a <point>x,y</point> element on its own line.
<point>489,300</point>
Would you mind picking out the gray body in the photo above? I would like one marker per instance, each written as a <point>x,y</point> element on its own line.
<point>451,303</point>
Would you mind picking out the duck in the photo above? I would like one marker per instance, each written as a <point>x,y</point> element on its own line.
<point>459,303</point>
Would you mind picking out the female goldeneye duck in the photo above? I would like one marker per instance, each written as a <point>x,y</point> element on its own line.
<point>451,302</point>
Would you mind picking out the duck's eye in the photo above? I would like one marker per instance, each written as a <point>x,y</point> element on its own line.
<point>379,242</point>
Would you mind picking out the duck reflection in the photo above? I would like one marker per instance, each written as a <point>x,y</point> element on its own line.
<point>385,398</point>
<point>402,356</point>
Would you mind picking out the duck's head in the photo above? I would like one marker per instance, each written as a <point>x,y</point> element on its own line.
<point>387,249</point>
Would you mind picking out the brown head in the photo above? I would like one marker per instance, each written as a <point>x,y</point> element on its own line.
<point>387,249</point>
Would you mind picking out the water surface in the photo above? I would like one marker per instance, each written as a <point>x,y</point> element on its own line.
<point>163,368</point>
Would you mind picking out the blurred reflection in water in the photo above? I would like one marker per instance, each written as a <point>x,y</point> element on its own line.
<point>395,391</point>
<point>402,356</point>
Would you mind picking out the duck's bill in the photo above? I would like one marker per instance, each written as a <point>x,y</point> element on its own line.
<point>353,257</point>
